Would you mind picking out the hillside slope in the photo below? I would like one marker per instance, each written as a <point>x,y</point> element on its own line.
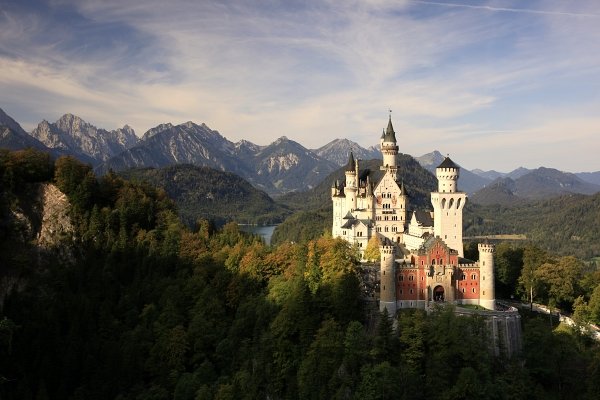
<point>203,192</point>
<point>569,224</point>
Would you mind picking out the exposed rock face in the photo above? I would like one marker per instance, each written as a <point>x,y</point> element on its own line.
<point>56,227</point>
<point>74,136</point>
<point>39,229</point>
<point>289,166</point>
<point>13,137</point>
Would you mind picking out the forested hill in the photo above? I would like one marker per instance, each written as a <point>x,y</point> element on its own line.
<point>206,193</point>
<point>569,224</point>
<point>147,309</point>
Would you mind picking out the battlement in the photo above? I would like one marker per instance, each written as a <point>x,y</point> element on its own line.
<point>387,249</point>
<point>486,248</point>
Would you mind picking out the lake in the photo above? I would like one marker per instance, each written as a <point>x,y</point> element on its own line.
<point>265,231</point>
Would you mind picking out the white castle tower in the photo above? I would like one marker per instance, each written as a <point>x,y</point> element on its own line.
<point>487,296</point>
<point>448,206</point>
<point>389,148</point>
<point>351,188</point>
<point>387,288</point>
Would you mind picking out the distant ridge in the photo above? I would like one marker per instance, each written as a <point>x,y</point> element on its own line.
<point>540,183</point>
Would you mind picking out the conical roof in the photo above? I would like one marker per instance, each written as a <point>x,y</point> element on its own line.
<point>390,135</point>
<point>350,166</point>
<point>448,163</point>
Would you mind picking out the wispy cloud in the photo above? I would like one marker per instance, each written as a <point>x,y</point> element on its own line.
<point>458,76</point>
<point>507,9</point>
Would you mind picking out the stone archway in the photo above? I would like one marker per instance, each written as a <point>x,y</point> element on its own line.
<point>438,293</point>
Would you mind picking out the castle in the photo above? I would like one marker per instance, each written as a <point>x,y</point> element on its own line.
<point>422,259</point>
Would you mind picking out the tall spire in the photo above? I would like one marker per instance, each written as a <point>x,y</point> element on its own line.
<point>351,165</point>
<point>389,132</point>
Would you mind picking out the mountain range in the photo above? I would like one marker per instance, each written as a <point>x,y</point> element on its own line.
<point>281,167</point>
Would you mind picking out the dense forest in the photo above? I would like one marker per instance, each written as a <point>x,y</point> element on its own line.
<point>146,308</point>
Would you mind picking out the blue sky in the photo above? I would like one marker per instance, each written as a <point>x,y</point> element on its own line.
<point>496,84</point>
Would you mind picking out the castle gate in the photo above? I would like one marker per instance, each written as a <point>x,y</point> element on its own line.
<point>438,293</point>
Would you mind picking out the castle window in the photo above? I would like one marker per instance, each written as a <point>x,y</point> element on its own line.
<point>400,291</point>
<point>474,290</point>
<point>473,276</point>
<point>463,277</point>
<point>411,277</point>
<point>463,290</point>
<point>411,291</point>
<point>483,293</point>
<point>401,278</point>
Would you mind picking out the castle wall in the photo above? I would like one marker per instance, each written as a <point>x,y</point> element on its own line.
<point>467,285</point>
<point>503,327</point>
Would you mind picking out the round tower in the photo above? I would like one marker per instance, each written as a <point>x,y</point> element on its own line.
<point>447,174</point>
<point>387,286</point>
<point>389,148</point>
<point>487,294</point>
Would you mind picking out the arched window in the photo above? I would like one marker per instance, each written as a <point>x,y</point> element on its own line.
<point>458,203</point>
<point>443,203</point>
<point>451,203</point>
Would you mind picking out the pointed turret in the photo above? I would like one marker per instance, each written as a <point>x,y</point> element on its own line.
<point>351,164</point>
<point>389,148</point>
<point>351,188</point>
<point>390,135</point>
